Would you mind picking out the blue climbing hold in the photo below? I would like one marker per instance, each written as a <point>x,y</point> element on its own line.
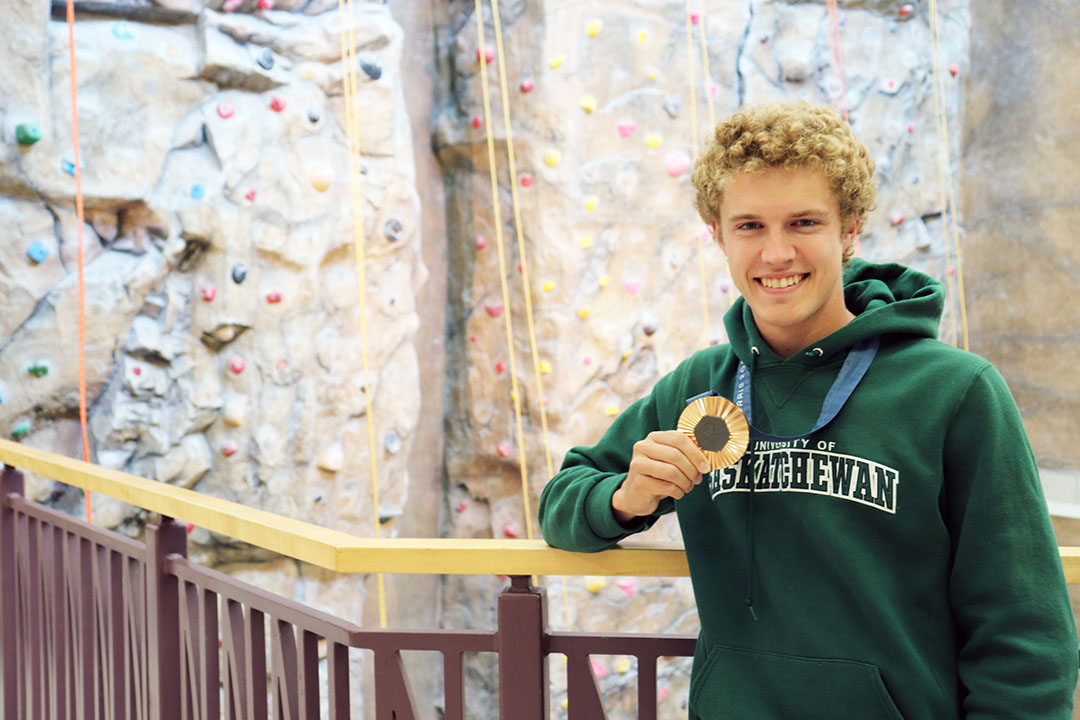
<point>198,192</point>
<point>37,252</point>
<point>122,31</point>
<point>67,166</point>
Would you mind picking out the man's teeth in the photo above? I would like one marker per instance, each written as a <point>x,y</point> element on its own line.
<point>781,282</point>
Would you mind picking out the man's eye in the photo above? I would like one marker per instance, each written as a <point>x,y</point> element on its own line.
<point>805,222</point>
<point>749,226</point>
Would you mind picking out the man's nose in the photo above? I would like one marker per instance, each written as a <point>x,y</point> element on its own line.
<point>777,248</point>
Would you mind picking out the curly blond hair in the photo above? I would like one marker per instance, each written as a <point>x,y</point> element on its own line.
<point>787,135</point>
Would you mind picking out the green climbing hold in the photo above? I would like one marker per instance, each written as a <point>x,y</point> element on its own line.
<point>27,133</point>
<point>38,369</point>
<point>20,430</point>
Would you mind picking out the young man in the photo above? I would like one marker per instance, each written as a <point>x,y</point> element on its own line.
<point>883,548</point>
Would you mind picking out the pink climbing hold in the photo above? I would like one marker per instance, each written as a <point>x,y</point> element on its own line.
<point>225,110</point>
<point>488,54</point>
<point>462,506</point>
<point>500,367</point>
<point>905,10</point>
<point>662,694</point>
<point>695,17</point>
<point>598,668</point>
<point>481,243</point>
<point>190,528</point>
<point>273,297</point>
<point>526,85</point>
<point>626,128</point>
<point>472,338</point>
<point>136,370</point>
<point>236,364</point>
<point>632,286</point>
<point>228,448</point>
<point>521,269</point>
<point>208,292</point>
<point>510,530</point>
<point>494,310</point>
<point>231,5</point>
<point>266,4</point>
<point>954,69</point>
<point>250,195</point>
<point>277,104</point>
<point>504,450</point>
<point>478,120</point>
<point>282,366</point>
<point>628,586</point>
<point>586,360</point>
<point>713,90</point>
<point>677,163</point>
<point>911,127</point>
<point>897,218</point>
<point>526,180</point>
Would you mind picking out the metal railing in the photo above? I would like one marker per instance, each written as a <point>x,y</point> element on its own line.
<point>95,625</point>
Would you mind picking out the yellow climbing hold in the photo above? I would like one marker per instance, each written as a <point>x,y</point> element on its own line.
<point>552,158</point>
<point>642,35</point>
<point>588,103</point>
<point>622,666</point>
<point>612,411</point>
<point>586,242</point>
<point>545,367</point>
<point>593,27</point>
<point>653,141</point>
<point>320,178</point>
<point>627,353</point>
<point>513,395</point>
<point>584,311</point>
<point>548,286</point>
<point>604,280</point>
<point>591,202</point>
<point>556,61</point>
<point>564,704</point>
<point>595,583</point>
<point>652,74</point>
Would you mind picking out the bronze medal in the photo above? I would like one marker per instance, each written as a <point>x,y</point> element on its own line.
<point>718,427</point>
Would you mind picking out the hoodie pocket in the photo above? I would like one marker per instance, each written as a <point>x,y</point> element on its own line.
<point>739,684</point>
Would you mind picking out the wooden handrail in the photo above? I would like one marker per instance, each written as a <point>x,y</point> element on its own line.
<point>345,553</point>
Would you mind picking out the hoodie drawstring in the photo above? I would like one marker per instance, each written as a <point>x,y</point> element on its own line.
<point>750,517</point>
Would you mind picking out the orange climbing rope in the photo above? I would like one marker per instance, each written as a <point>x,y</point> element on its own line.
<point>840,91</point>
<point>348,59</point>
<point>80,212</point>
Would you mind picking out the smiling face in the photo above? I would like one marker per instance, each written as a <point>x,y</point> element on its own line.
<point>785,239</point>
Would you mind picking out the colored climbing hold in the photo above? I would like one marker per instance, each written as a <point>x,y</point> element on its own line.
<point>372,69</point>
<point>462,506</point>
<point>265,4</point>
<point>208,292</point>
<point>612,411</point>
<point>493,310</point>
<point>911,127</point>
<point>236,364</point>
<point>625,355</point>
<point>593,27</point>
<point>584,311</point>
<point>21,430</point>
<point>27,133</point>
<point>556,61</point>
<point>250,195</point>
<point>652,74</point>
<point>231,5</point>
<point>266,59</point>
<point>545,367</point>
<point>632,286</point>
<point>67,166</point>
<point>565,702</point>
<point>526,85</point>
<point>695,17</point>
<point>552,158</point>
<point>622,666</point>
<point>905,11</point>
<point>548,286</point>
<point>239,272</point>
<point>677,163</point>
<point>273,297</point>
<point>503,449</point>
<point>628,586</point>
<point>897,218</point>
<point>472,338</point>
<point>595,583</point>
<point>198,192</point>
<point>662,693</point>
<point>122,31</point>
<point>588,103</point>
<point>38,368</point>
<point>393,229</point>
<point>526,180</point>
<point>520,268</point>
<point>229,448</point>
<point>313,116</point>
<point>653,141</point>
<point>510,530</point>
<point>37,252</point>
<point>136,371</point>
<point>713,89</point>
<point>586,242</point>
<point>954,69</point>
<point>481,243</point>
<point>642,36</point>
<point>277,104</point>
<point>225,110</point>
<point>591,202</point>
<point>604,280</point>
<point>951,271</point>
<point>320,178</point>
<point>626,128</point>
<point>598,668</point>
<point>500,367</point>
<point>478,120</point>
<point>488,54</point>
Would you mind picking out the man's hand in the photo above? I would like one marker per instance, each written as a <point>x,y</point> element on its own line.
<point>664,464</point>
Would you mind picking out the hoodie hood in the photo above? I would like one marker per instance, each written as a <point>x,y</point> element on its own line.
<point>886,299</point>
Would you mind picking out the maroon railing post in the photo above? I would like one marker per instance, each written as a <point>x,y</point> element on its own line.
<point>523,675</point>
<point>11,483</point>
<point>163,617</point>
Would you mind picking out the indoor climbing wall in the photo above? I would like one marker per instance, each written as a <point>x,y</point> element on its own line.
<point>607,110</point>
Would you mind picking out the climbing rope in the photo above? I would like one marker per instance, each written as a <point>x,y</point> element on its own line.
<point>840,90</point>
<point>694,138</point>
<point>947,196</point>
<point>348,59</point>
<point>80,212</point>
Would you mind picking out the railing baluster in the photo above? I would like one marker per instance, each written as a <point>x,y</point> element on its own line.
<point>581,689</point>
<point>33,617</point>
<point>284,670</point>
<point>309,675</point>
<point>453,686</point>
<point>393,694</point>
<point>11,483</point>
<point>208,625</point>
<point>236,659</point>
<point>523,676</point>
<point>115,608</point>
<point>338,681</point>
<point>191,688</point>
<point>163,618</point>
<point>646,688</point>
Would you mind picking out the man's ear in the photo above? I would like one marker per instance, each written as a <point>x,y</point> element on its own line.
<point>717,236</point>
<point>852,235</point>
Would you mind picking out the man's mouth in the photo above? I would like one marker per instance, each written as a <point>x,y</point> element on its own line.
<point>782,282</point>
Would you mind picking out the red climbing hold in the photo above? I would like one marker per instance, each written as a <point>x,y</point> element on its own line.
<point>510,530</point>
<point>250,195</point>
<point>277,104</point>
<point>273,297</point>
<point>137,370</point>
<point>208,292</point>
<point>472,338</point>
<point>477,120</point>
<point>526,85</point>
<point>481,243</point>
<point>489,54</point>
<point>954,69</point>
<point>897,218</point>
<point>526,180</point>
<point>236,364</point>
<point>905,11</point>
<point>266,4</point>
<point>462,506</point>
<point>493,310</point>
<point>500,367</point>
<point>190,528</point>
<point>225,110</point>
<point>282,366</point>
<point>228,448</point>
<point>504,449</point>
<point>911,127</point>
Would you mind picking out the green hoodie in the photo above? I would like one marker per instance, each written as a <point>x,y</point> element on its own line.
<point>897,563</point>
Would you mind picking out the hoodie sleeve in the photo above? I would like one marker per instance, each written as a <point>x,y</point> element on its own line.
<point>1017,644</point>
<point>575,507</point>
